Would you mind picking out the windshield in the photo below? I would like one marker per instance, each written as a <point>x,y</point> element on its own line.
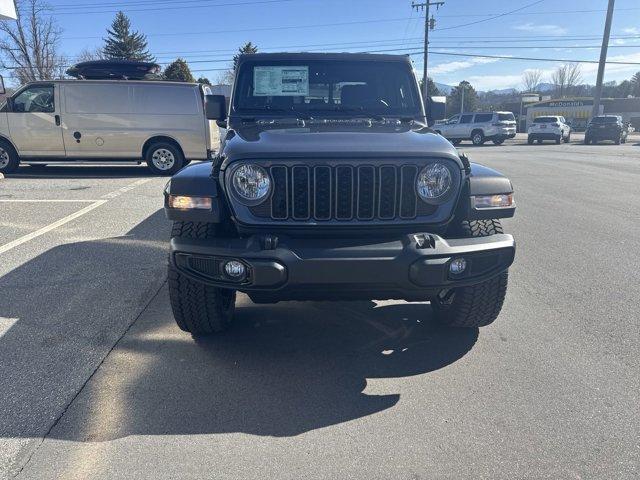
<point>506,117</point>
<point>317,87</point>
<point>604,120</point>
<point>546,120</point>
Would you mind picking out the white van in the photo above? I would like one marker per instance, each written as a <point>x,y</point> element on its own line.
<point>162,123</point>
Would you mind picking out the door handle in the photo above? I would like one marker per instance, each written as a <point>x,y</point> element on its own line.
<point>57,117</point>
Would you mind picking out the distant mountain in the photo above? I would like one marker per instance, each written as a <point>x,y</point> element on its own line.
<point>503,91</point>
<point>545,87</point>
<point>444,88</point>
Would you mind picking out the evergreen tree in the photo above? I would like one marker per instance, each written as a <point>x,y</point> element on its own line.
<point>455,98</point>
<point>247,48</point>
<point>178,71</point>
<point>203,80</point>
<point>432,90</point>
<point>635,83</point>
<point>123,44</point>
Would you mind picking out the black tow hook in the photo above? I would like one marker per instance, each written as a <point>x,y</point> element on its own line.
<point>424,240</point>
<point>269,242</point>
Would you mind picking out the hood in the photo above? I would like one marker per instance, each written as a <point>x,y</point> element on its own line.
<point>339,138</point>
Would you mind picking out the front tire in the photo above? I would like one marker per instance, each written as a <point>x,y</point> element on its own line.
<point>476,305</point>
<point>198,308</point>
<point>530,140</point>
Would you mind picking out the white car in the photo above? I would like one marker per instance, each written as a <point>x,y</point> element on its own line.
<point>549,127</point>
<point>478,127</point>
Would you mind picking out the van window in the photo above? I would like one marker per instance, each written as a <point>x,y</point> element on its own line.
<point>165,100</point>
<point>96,98</point>
<point>483,117</point>
<point>38,98</point>
<point>466,118</point>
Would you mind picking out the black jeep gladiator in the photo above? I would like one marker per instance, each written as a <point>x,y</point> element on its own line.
<point>328,185</point>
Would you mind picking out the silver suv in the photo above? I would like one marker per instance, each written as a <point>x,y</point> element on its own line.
<point>478,127</point>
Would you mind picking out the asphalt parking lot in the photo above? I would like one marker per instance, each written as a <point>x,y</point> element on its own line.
<point>96,381</point>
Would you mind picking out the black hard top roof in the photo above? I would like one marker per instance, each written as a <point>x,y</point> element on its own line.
<point>353,57</point>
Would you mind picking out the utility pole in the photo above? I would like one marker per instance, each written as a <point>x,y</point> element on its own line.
<point>603,60</point>
<point>462,100</point>
<point>429,24</point>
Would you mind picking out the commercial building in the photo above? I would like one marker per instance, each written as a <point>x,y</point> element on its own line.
<point>578,110</point>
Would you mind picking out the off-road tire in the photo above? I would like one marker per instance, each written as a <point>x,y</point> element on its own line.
<point>198,308</point>
<point>12,159</point>
<point>476,305</point>
<point>477,138</point>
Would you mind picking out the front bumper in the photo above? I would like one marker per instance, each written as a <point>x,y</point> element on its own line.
<point>413,267</point>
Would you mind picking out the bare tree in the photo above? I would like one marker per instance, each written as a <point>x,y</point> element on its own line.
<point>531,79</point>
<point>88,54</point>
<point>30,44</point>
<point>566,78</point>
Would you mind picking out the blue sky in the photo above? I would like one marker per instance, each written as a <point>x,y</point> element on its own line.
<point>206,32</point>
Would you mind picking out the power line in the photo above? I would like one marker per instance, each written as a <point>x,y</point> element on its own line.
<point>493,17</point>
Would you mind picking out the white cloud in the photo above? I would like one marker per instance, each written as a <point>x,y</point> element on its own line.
<point>631,30</point>
<point>494,82</point>
<point>545,29</point>
<point>450,67</point>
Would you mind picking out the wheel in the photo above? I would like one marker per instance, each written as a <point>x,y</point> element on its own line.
<point>623,140</point>
<point>9,159</point>
<point>164,158</point>
<point>567,139</point>
<point>618,140</point>
<point>498,141</point>
<point>476,305</point>
<point>558,139</point>
<point>587,140</point>
<point>198,308</point>
<point>477,138</point>
<point>530,140</point>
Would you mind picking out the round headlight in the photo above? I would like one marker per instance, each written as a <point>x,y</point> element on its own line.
<point>433,181</point>
<point>251,182</point>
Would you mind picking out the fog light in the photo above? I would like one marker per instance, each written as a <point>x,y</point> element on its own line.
<point>457,266</point>
<point>235,269</point>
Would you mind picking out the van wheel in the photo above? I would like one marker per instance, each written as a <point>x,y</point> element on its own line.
<point>9,159</point>
<point>164,158</point>
<point>477,138</point>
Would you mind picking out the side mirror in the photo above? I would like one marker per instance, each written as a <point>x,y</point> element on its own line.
<point>2,89</point>
<point>215,107</point>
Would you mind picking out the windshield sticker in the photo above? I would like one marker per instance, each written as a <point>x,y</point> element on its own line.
<point>280,81</point>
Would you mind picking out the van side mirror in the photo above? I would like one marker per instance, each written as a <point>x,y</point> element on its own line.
<point>215,107</point>
<point>2,89</point>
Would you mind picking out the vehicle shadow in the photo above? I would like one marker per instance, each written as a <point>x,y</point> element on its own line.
<point>83,170</point>
<point>282,370</point>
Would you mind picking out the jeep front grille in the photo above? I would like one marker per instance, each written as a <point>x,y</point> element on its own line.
<point>343,192</point>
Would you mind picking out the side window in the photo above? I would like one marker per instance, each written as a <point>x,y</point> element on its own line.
<point>35,99</point>
<point>453,120</point>
<point>466,118</point>
<point>483,118</point>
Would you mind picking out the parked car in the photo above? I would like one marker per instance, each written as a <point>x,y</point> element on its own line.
<point>162,123</point>
<point>606,127</point>
<point>549,127</point>
<point>478,127</point>
<point>330,186</point>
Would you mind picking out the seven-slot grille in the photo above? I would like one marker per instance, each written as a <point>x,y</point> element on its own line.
<point>343,192</point>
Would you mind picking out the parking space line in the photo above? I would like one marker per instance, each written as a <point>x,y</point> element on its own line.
<point>30,236</point>
<point>47,200</point>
